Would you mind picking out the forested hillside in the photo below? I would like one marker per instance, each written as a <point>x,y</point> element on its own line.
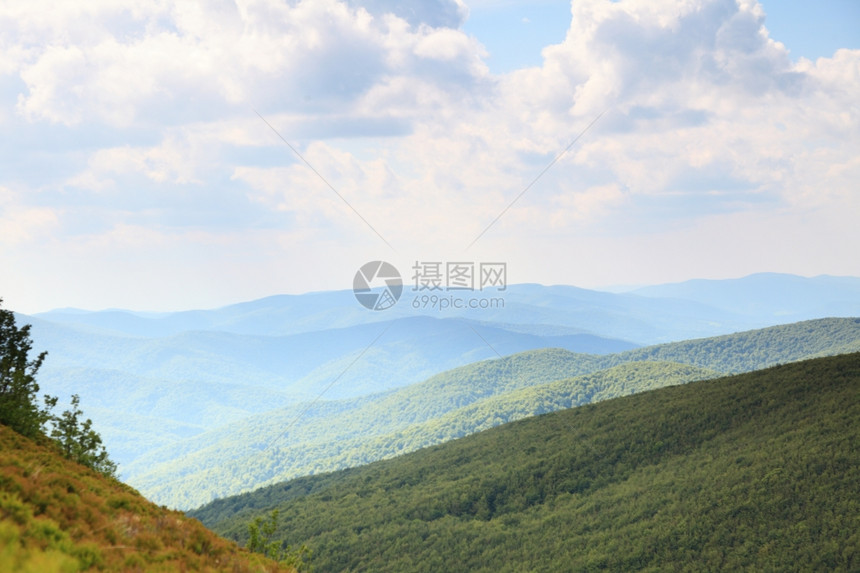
<point>757,471</point>
<point>331,435</point>
<point>755,349</point>
<point>361,437</point>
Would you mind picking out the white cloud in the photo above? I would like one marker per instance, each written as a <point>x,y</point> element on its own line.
<point>708,124</point>
<point>176,160</point>
<point>186,61</point>
<point>20,223</point>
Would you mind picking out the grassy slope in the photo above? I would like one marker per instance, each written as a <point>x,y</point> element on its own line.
<point>757,471</point>
<point>56,515</point>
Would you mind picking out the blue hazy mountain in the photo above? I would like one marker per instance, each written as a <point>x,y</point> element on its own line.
<point>647,315</point>
<point>394,353</point>
<point>769,296</point>
<point>183,384</point>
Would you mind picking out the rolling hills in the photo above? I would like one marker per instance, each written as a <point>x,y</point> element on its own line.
<point>648,315</point>
<point>329,435</point>
<point>176,396</point>
<point>58,516</point>
<point>196,371</point>
<point>202,380</point>
<point>757,471</point>
<point>270,448</point>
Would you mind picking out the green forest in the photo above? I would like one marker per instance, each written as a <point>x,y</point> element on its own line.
<point>272,447</point>
<point>757,471</point>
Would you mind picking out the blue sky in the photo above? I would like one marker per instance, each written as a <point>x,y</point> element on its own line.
<point>135,171</point>
<point>514,33</point>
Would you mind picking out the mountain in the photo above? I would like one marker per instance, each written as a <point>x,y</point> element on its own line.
<point>575,310</point>
<point>333,434</point>
<point>395,352</point>
<point>768,296</point>
<point>164,387</point>
<point>268,449</point>
<point>174,374</point>
<point>197,381</point>
<point>648,315</point>
<point>58,516</point>
<point>755,349</point>
<point>757,471</point>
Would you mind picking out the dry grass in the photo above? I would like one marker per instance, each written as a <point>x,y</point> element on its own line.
<point>58,516</point>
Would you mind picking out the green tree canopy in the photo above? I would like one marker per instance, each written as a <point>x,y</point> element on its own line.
<point>80,442</point>
<point>19,406</point>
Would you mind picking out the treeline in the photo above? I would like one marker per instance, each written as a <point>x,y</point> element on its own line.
<point>753,472</point>
<point>22,410</point>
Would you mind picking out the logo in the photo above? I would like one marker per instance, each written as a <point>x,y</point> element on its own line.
<point>377,285</point>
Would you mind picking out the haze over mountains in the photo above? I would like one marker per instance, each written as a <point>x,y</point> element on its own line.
<point>646,315</point>
<point>787,298</point>
<point>163,387</point>
<point>327,435</point>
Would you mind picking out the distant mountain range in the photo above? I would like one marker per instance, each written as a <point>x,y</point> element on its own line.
<point>156,382</point>
<point>157,389</point>
<point>780,297</point>
<point>643,316</point>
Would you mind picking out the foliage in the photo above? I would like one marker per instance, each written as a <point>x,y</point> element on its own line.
<point>20,410</point>
<point>79,442</point>
<point>755,349</point>
<point>490,394</point>
<point>19,407</point>
<point>57,516</point>
<point>260,533</point>
<point>753,472</point>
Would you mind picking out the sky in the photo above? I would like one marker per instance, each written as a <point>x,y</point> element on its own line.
<point>170,155</point>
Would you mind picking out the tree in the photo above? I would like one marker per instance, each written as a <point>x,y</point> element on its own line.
<point>19,407</point>
<point>20,410</point>
<point>80,442</point>
<point>260,541</point>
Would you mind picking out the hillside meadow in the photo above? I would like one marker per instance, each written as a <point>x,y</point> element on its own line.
<point>57,517</point>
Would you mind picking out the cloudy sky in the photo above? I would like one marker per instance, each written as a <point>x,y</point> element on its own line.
<point>142,165</point>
